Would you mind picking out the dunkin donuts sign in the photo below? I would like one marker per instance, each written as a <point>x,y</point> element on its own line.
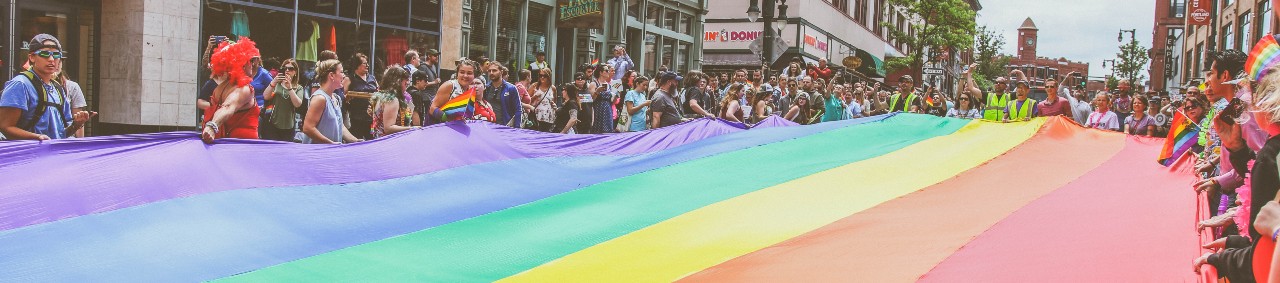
<point>732,36</point>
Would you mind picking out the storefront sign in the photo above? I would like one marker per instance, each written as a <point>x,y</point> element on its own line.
<point>1198,12</point>
<point>586,14</point>
<point>734,36</point>
<point>815,42</point>
<point>738,36</point>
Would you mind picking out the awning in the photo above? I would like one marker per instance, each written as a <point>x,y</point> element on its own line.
<point>865,63</point>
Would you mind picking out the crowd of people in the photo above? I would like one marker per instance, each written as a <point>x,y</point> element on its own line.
<point>1235,160</point>
<point>249,97</point>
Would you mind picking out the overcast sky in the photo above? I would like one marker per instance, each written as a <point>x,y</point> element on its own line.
<point>1080,30</point>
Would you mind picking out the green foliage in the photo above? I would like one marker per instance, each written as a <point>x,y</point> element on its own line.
<point>1131,63</point>
<point>942,25</point>
<point>991,63</point>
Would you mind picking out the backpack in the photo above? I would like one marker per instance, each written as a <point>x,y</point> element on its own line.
<point>42,104</point>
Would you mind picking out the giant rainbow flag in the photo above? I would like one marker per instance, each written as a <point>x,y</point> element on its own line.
<point>889,198</point>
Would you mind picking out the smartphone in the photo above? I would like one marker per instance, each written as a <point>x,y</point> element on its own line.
<point>1233,110</point>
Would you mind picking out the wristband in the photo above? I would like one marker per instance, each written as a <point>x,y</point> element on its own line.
<point>1274,234</point>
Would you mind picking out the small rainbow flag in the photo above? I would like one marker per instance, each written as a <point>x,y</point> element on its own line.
<point>1182,136</point>
<point>458,108</point>
<point>1265,54</point>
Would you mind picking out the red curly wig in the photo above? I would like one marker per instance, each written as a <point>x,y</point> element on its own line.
<point>231,58</point>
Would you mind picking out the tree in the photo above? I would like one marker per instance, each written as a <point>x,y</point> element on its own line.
<point>991,63</point>
<point>1132,60</point>
<point>941,25</point>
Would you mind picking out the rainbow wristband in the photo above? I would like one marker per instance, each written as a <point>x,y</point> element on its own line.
<point>1274,234</point>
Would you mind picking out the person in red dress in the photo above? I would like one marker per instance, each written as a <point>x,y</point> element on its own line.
<point>233,112</point>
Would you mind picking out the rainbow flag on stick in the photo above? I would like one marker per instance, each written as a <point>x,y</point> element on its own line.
<point>458,108</point>
<point>1182,136</point>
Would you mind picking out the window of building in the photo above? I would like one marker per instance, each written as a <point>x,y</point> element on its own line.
<point>394,12</point>
<point>669,22</point>
<point>536,39</point>
<point>655,15</point>
<point>1264,23</point>
<point>879,16</point>
<point>633,9</point>
<point>1199,52</point>
<point>682,64</point>
<point>508,35</point>
<point>325,7</point>
<point>1244,38</point>
<point>1177,8</point>
<point>668,53</point>
<point>841,5</point>
<point>650,52</point>
<point>686,23</point>
<point>425,15</point>
<point>1186,61</point>
<point>479,39</point>
<point>1227,37</point>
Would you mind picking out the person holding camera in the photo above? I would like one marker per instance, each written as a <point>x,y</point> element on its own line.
<point>285,95</point>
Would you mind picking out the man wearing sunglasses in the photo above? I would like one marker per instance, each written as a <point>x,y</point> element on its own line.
<point>33,105</point>
<point>997,101</point>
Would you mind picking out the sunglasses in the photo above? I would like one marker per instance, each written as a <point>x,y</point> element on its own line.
<point>47,54</point>
<point>290,69</point>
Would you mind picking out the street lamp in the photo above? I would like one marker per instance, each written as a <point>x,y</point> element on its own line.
<point>1120,36</point>
<point>754,12</point>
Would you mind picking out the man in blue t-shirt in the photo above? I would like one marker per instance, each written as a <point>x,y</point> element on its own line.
<point>21,102</point>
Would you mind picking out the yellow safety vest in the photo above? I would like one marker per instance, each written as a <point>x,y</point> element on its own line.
<point>1016,113</point>
<point>993,100</point>
<point>905,106</point>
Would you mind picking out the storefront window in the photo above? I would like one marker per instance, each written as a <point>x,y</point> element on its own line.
<point>537,33</point>
<point>326,7</point>
<point>668,53</point>
<point>349,9</point>
<point>479,29</point>
<point>509,24</point>
<point>426,15</point>
<point>394,12</point>
<point>682,62</point>
<point>650,53</point>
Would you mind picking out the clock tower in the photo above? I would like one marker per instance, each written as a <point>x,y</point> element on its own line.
<point>1027,40</point>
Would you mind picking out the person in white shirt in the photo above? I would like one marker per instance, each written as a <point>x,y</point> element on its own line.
<point>1103,118</point>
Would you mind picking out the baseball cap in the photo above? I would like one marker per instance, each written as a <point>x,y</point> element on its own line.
<point>37,42</point>
<point>669,75</point>
<point>906,78</point>
<point>433,52</point>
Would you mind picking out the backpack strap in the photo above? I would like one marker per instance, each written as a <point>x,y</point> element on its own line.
<point>42,104</point>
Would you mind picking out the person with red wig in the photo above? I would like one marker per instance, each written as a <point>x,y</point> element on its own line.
<point>233,112</point>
